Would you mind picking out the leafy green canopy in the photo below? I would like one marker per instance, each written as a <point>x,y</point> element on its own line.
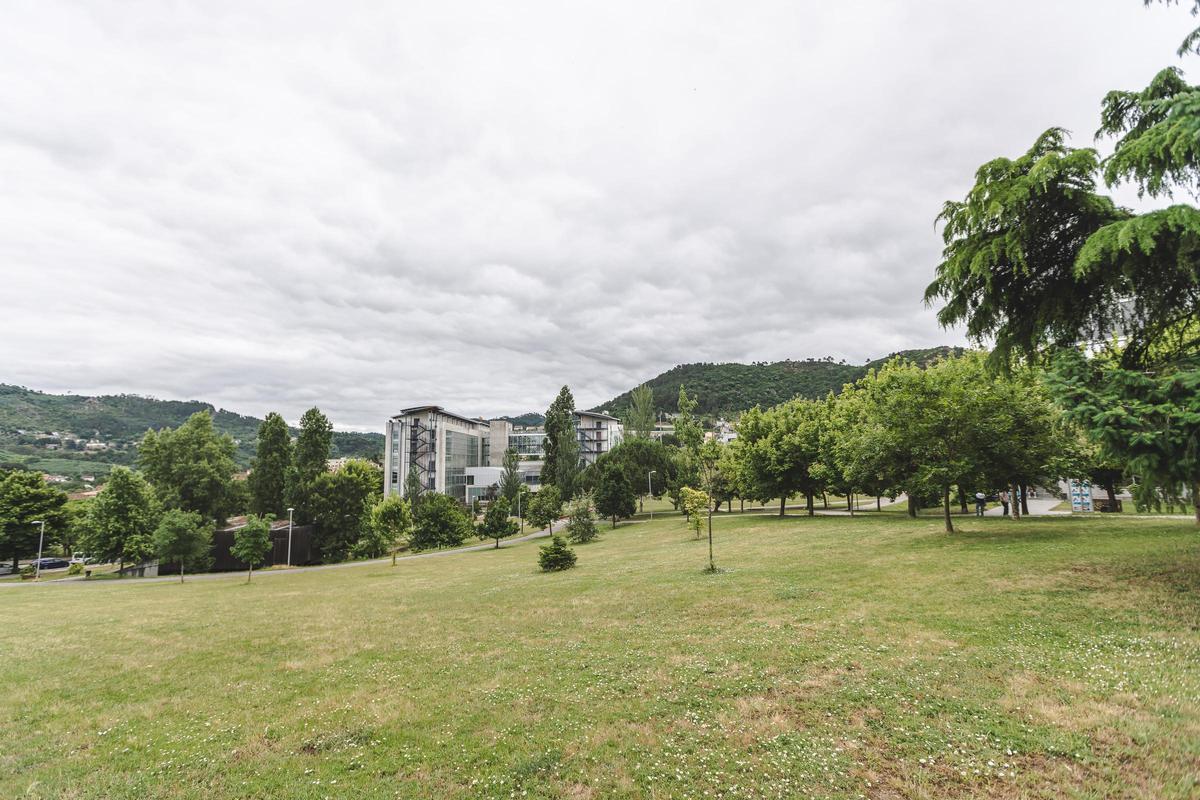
<point>1007,270</point>
<point>496,524</point>
<point>122,518</point>
<point>25,498</point>
<point>191,467</point>
<point>439,521</point>
<point>252,542</point>
<point>184,538</point>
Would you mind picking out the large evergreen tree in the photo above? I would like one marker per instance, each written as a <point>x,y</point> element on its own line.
<point>510,479</point>
<point>269,471</point>
<point>639,421</point>
<point>560,437</point>
<point>310,461</point>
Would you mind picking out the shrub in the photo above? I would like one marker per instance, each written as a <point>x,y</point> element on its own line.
<point>27,572</point>
<point>75,569</point>
<point>556,555</point>
<point>581,525</point>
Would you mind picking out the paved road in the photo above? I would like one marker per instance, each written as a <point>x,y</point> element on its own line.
<point>266,573</point>
<point>1038,507</point>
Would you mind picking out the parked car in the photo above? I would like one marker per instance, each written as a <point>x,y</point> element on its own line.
<point>49,563</point>
<point>79,558</point>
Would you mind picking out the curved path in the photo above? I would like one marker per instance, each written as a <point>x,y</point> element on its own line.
<point>263,573</point>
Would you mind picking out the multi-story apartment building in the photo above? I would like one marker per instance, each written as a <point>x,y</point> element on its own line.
<point>598,433</point>
<point>461,456</point>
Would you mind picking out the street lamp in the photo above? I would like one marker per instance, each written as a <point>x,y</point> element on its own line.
<point>290,510</point>
<point>650,491</point>
<point>37,568</point>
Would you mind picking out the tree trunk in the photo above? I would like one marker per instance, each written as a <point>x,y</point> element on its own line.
<point>393,557</point>
<point>878,503</point>
<point>782,505</point>
<point>850,502</point>
<point>808,503</point>
<point>1025,499</point>
<point>181,570</point>
<point>121,568</point>
<point>614,520</point>
<point>249,573</point>
<point>1196,500</point>
<point>912,506</point>
<point>497,544</point>
<point>742,504</point>
<point>946,509</point>
<point>1016,505</point>
<point>711,565</point>
<point>1112,497</point>
<point>824,501</point>
<point>962,502</point>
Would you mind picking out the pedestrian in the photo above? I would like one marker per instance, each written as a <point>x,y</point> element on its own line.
<point>980,503</point>
<point>1004,501</point>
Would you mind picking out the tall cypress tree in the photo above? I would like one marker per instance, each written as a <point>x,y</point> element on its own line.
<point>269,471</point>
<point>312,452</point>
<point>560,434</point>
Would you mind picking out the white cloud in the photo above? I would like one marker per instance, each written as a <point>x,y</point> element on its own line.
<point>365,205</point>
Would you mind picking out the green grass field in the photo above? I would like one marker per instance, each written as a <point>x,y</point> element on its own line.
<point>833,657</point>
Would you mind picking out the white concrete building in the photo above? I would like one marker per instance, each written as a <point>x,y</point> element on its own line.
<point>464,457</point>
<point>441,445</point>
<point>598,433</point>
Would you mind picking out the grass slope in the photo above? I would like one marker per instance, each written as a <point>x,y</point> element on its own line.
<point>730,388</point>
<point>836,657</point>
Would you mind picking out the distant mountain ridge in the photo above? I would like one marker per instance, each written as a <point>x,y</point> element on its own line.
<point>725,389</point>
<point>121,420</point>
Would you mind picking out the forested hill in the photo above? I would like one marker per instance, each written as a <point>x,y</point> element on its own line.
<point>120,420</point>
<point>724,389</point>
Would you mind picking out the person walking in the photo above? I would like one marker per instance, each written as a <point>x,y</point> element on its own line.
<point>980,503</point>
<point>1004,501</point>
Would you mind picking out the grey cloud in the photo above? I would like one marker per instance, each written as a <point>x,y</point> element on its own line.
<point>369,204</point>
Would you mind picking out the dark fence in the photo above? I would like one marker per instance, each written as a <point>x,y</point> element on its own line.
<point>224,561</point>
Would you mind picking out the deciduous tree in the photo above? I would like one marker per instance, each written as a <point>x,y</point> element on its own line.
<point>122,519</point>
<point>185,538</point>
<point>496,524</point>
<point>25,497</point>
<point>191,467</point>
<point>252,542</point>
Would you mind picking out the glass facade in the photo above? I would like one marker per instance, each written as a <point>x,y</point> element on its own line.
<point>527,444</point>
<point>462,450</point>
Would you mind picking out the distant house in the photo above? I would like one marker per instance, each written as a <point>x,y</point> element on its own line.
<point>55,478</point>
<point>95,446</point>
<point>336,464</point>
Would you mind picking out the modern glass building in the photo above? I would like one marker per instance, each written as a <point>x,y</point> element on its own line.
<point>439,445</point>
<point>448,450</point>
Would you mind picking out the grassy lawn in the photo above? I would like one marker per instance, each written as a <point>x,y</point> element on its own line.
<point>835,657</point>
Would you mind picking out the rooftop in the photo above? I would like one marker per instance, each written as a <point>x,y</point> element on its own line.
<point>444,412</point>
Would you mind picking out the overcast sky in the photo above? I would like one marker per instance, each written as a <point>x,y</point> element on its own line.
<point>369,205</point>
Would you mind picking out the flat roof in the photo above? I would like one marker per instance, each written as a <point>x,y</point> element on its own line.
<point>595,414</point>
<point>440,410</point>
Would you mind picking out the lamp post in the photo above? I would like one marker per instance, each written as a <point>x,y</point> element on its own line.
<point>650,491</point>
<point>520,518</point>
<point>289,561</point>
<point>37,568</point>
